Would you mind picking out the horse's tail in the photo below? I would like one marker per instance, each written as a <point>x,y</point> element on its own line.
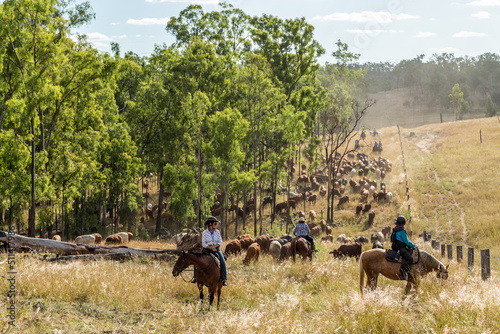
<point>293,244</point>
<point>361,274</point>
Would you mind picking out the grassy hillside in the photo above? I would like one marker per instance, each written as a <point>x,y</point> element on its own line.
<point>404,107</point>
<point>454,191</point>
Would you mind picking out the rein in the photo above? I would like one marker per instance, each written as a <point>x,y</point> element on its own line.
<point>184,259</point>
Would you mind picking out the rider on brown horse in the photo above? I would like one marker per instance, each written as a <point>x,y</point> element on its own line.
<point>302,230</point>
<point>401,244</point>
<point>211,241</point>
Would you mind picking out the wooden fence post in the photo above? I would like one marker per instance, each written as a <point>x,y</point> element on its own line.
<point>459,254</point>
<point>485,264</point>
<point>437,245</point>
<point>433,243</point>
<point>424,236</point>
<point>443,250</point>
<point>450,252</point>
<point>480,137</point>
<point>470,262</point>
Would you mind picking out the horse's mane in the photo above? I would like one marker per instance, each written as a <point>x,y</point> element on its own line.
<point>430,261</point>
<point>197,254</point>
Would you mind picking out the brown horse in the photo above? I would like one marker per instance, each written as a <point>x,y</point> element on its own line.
<point>207,274</point>
<point>373,262</point>
<point>302,247</point>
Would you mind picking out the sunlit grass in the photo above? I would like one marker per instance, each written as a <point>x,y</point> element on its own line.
<point>452,185</point>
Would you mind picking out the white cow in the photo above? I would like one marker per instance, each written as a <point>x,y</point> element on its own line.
<point>85,239</point>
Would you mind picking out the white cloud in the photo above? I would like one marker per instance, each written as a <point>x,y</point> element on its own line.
<point>200,2</point>
<point>96,37</point>
<point>115,23</point>
<point>422,34</point>
<point>372,32</point>
<point>484,3</point>
<point>366,16</point>
<point>138,36</point>
<point>481,15</point>
<point>120,37</point>
<point>469,34</point>
<point>149,21</point>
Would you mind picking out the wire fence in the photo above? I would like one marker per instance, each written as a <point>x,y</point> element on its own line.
<point>447,250</point>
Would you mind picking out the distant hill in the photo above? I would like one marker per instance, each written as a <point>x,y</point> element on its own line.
<point>396,106</point>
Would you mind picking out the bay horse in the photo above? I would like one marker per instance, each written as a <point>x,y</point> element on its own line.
<point>207,274</point>
<point>373,262</point>
<point>302,247</point>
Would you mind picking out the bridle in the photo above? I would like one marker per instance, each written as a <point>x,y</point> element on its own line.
<point>184,257</point>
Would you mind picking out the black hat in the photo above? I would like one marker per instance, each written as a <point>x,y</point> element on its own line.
<point>401,220</point>
<point>211,219</point>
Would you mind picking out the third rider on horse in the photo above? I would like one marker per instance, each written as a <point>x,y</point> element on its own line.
<point>401,243</point>
<point>302,230</point>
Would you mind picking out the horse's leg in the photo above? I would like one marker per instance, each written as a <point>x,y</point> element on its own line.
<point>200,287</point>
<point>211,292</point>
<point>219,290</point>
<point>371,281</point>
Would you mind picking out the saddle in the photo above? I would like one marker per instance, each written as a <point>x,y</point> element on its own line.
<point>212,254</point>
<point>394,256</point>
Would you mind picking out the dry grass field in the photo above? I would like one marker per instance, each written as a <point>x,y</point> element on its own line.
<point>454,191</point>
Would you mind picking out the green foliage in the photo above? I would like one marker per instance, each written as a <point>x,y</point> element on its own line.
<point>491,108</point>
<point>457,99</point>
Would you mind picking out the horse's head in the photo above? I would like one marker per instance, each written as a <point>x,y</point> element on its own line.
<point>443,272</point>
<point>181,264</point>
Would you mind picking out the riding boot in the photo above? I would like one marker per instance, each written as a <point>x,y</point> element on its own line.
<point>193,280</point>
<point>404,272</point>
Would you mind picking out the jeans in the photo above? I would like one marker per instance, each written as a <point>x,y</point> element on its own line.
<point>222,264</point>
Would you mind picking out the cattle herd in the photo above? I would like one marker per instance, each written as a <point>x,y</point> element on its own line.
<point>96,239</point>
<point>279,248</point>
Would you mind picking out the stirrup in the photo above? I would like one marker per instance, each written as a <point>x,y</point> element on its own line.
<point>224,282</point>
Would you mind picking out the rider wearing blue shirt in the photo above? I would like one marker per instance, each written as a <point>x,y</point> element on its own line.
<point>401,244</point>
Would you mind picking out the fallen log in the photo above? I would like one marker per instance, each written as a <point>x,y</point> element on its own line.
<point>20,243</point>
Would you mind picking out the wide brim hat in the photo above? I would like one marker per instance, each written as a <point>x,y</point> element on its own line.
<point>211,219</point>
<point>302,220</point>
<point>400,221</point>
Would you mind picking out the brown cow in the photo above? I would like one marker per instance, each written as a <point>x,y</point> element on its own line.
<point>342,200</point>
<point>312,216</point>
<point>263,243</point>
<point>233,247</point>
<point>312,199</point>
<point>385,231</point>
<point>348,250</point>
<point>98,238</point>
<point>371,217</point>
<point>113,240</point>
<point>328,230</point>
<point>253,253</point>
<point>359,208</point>
<point>286,252</point>
<point>130,236</point>
<point>149,214</point>
<point>323,225</point>
<point>327,238</point>
<point>315,231</point>
<point>246,242</point>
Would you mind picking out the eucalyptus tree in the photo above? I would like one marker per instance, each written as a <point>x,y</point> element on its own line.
<point>289,47</point>
<point>340,119</point>
<point>227,29</point>
<point>225,153</point>
<point>259,101</point>
<point>34,37</point>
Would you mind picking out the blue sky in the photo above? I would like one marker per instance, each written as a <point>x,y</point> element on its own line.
<point>390,30</point>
